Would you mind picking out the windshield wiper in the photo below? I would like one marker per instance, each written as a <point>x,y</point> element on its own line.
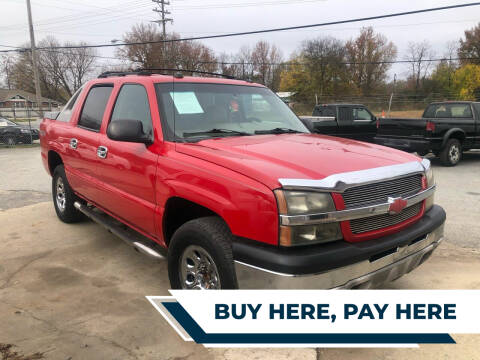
<point>278,130</point>
<point>216,131</point>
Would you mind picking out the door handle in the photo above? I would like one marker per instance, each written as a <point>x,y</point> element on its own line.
<point>73,143</point>
<point>102,152</point>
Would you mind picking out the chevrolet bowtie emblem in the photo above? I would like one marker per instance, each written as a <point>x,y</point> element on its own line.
<point>396,205</point>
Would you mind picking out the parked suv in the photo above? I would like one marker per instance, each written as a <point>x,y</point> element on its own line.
<point>221,177</point>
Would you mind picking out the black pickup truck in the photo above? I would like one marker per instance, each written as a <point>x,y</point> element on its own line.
<point>446,128</point>
<point>352,121</point>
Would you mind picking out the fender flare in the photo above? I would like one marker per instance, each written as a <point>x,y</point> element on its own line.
<point>449,134</point>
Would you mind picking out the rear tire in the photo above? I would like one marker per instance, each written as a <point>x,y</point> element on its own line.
<point>200,256</point>
<point>64,198</point>
<point>451,154</point>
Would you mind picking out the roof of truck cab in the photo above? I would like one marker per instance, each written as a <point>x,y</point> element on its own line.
<point>454,102</point>
<point>158,78</point>
<point>339,104</point>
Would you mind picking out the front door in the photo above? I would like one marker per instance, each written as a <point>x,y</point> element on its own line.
<point>127,170</point>
<point>356,123</point>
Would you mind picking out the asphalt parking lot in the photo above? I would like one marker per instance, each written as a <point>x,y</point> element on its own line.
<point>77,292</point>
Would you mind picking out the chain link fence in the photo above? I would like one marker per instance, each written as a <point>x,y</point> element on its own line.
<point>19,129</point>
<point>399,106</point>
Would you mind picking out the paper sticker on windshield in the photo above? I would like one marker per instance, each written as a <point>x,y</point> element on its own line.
<point>186,102</point>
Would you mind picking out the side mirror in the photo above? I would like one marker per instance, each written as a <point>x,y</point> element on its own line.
<point>129,131</point>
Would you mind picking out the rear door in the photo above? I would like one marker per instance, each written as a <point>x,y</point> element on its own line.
<point>81,141</point>
<point>127,171</point>
<point>346,128</point>
<point>328,124</point>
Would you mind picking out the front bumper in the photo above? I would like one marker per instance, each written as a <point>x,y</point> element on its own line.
<point>419,146</point>
<point>359,265</point>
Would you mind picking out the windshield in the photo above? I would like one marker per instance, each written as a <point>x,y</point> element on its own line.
<point>193,111</point>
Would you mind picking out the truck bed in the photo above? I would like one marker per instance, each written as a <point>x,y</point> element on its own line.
<point>402,127</point>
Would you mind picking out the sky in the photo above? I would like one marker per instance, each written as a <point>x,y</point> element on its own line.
<point>100,21</point>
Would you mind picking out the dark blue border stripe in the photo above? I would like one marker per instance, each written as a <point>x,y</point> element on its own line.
<point>199,336</point>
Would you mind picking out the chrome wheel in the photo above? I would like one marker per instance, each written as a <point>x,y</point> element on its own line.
<point>198,270</point>
<point>454,154</point>
<point>60,194</point>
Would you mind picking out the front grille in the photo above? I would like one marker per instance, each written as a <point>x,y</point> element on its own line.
<point>377,222</point>
<point>378,193</point>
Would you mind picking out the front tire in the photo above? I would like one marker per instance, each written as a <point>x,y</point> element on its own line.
<point>64,198</point>
<point>11,141</point>
<point>451,154</point>
<point>200,256</point>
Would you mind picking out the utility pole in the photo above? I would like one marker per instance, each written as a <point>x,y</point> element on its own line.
<point>163,22</point>
<point>38,92</point>
<point>391,95</point>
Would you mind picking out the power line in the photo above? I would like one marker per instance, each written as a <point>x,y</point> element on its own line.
<point>369,18</point>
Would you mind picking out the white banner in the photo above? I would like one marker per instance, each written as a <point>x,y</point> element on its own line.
<point>226,316</point>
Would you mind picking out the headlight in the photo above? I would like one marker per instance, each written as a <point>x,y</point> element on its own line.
<point>430,178</point>
<point>430,182</point>
<point>25,131</point>
<point>302,203</point>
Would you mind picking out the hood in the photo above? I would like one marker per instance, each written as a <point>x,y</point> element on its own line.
<point>267,158</point>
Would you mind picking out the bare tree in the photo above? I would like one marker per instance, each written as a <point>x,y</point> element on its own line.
<point>81,62</point>
<point>369,57</point>
<point>61,71</point>
<point>417,53</point>
<point>147,55</point>
<point>266,59</point>
<point>245,67</point>
<point>324,60</point>
<point>191,55</point>
<point>7,62</point>
<point>469,49</point>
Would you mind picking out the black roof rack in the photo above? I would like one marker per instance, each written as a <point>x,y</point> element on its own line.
<point>151,71</point>
<point>107,74</point>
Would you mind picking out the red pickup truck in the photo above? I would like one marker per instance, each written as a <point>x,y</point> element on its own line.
<point>220,177</point>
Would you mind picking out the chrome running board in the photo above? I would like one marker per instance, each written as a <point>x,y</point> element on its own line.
<point>139,242</point>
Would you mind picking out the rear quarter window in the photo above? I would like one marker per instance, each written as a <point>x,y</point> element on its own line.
<point>66,114</point>
<point>324,111</point>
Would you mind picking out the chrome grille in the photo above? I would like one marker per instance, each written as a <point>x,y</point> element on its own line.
<point>377,193</point>
<point>377,222</point>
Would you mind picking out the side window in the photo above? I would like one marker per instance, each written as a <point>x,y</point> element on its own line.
<point>345,114</point>
<point>361,114</point>
<point>461,111</point>
<point>94,107</point>
<point>132,104</point>
<point>324,111</point>
<point>67,111</point>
